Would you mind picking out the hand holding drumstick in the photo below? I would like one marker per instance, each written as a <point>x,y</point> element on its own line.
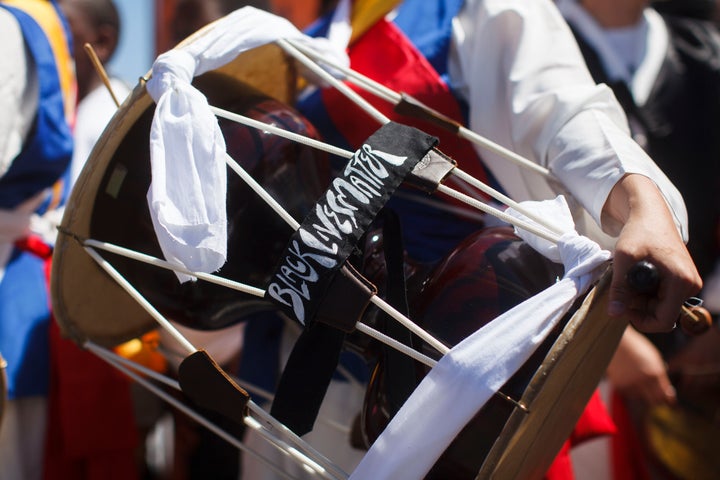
<point>648,232</point>
<point>694,318</point>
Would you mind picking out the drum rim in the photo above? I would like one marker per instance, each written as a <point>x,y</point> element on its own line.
<point>530,441</point>
<point>251,68</point>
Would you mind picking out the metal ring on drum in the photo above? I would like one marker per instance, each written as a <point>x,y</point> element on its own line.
<point>110,284</point>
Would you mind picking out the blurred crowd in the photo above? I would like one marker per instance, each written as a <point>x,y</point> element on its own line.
<point>661,60</point>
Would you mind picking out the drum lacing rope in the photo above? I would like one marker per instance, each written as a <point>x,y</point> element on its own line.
<point>549,232</point>
<point>276,426</point>
<point>301,53</point>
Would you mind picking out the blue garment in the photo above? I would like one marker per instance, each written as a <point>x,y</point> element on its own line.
<point>428,25</point>
<point>46,154</point>
<point>24,302</point>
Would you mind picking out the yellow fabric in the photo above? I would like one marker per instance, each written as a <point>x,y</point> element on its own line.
<point>365,13</point>
<point>45,14</point>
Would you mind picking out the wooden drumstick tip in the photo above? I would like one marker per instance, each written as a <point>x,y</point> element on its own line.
<point>695,320</point>
<point>101,71</point>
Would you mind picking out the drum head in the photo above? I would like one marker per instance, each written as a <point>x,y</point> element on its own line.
<point>108,204</point>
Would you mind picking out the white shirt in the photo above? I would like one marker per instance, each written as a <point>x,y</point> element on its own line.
<point>528,89</point>
<point>18,90</point>
<point>93,113</point>
<point>644,45</point>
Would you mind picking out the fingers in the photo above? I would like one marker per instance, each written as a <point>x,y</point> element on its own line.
<point>649,309</point>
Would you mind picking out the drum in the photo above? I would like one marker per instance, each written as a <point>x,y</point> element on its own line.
<point>680,440</point>
<point>513,437</point>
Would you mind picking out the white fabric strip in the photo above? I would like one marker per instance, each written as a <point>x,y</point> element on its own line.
<point>189,183</point>
<point>477,367</point>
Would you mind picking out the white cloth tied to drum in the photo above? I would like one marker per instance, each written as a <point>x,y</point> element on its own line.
<point>467,376</point>
<point>187,150</point>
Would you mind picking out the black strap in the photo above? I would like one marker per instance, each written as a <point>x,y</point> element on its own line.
<point>400,370</point>
<point>306,377</point>
<point>318,250</point>
<point>328,235</point>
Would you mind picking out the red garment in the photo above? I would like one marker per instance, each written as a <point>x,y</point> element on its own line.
<point>594,422</point>
<point>91,432</point>
<point>91,425</point>
<point>628,454</point>
<point>403,69</point>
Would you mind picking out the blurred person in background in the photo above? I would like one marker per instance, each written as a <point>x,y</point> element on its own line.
<point>191,15</point>
<point>37,101</point>
<point>91,426</point>
<point>94,22</point>
<point>665,71</point>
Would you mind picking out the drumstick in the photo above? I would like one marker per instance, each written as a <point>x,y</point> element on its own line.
<point>145,304</point>
<point>644,277</point>
<point>101,71</point>
<point>295,50</point>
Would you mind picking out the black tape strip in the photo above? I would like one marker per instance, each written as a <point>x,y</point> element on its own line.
<point>330,232</point>
<point>400,372</point>
<point>306,377</point>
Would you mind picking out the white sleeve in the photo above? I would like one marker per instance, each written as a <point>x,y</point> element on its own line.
<point>18,91</point>
<point>517,65</point>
